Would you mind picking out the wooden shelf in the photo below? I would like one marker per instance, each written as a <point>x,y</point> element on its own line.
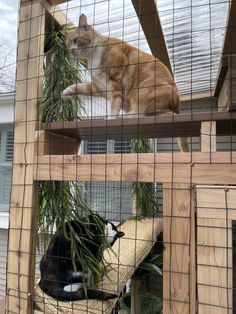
<point>194,168</point>
<point>145,127</point>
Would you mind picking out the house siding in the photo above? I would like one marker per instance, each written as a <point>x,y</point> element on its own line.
<point>3,260</point>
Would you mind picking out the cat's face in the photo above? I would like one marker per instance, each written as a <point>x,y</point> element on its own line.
<point>79,40</point>
<point>111,232</point>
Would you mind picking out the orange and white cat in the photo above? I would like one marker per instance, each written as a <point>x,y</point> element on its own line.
<point>134,81</point>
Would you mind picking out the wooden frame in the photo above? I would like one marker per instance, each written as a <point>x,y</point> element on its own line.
<point>35,159</point>
<point>185,124</point>
<point>195,168</point>
<point>21,246</point>
<point>216,208</point>
<point>179,278</point>
<point>226,80</point>
<point>151,24</point>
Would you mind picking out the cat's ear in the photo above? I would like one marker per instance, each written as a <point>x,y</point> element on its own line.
<point>83,21</point>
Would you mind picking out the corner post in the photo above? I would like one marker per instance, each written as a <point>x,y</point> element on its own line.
<point>21,244</point>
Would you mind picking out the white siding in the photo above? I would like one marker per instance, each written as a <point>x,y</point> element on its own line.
<point>3,259</point>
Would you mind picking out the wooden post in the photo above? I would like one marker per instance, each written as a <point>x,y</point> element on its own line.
<point>214,248</point>
<point>21,246</point>
<point>214,241</point>
<point>135,296</point>
<point>179,275</point>
<point>208,136</point>
<point>135,282</point>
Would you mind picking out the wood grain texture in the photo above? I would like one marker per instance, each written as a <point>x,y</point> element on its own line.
<point>20,268</point>
<point>195,168</point>
<point>185,124</point>
<point>214,247</point>
<point>208,136</point>
<point>55,144</point>
<point>179,249</point>
<point>151,25</point>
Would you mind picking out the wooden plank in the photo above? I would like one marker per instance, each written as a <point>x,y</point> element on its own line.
<point>214,258</point>
<point>214,197</point>
<point>151,25</point>
<point>211,202</point>
<point>212,309</point>
<point>55,144</point>
<point>208,136</point>
<point>179,243</point>
<point>215,209</point>
<point>227,94</point>
<point>56,12</point>
<point>21,257</point>
<point>145,127</point>
<point>195,96</point>
<point>136,288</point>
<point>229,46</point>
<point>223,66</point>
<point>177,168</point>
<point>194,158</point>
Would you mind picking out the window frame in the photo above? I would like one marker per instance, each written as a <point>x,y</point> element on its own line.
<point>5,163</point>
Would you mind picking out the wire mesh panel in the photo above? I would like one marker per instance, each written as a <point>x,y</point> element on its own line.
<point>124,127</point>
<point>215,245</point>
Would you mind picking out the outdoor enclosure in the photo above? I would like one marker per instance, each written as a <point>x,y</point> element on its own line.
<point>191,195</point>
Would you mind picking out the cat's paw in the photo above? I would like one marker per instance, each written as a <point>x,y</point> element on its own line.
<point>73,287</point>
<point>67,93</point>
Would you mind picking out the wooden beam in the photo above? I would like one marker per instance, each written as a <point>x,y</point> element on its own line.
<point>229,46</point>
<point>208,136</point>
<point>222,70</point>
<point>179,249</point>
<point>145,127</point>
<point>196,96</point>
<point>211,202</point>
<point>215,205</point>
<point>151,25</point>
<point>214,241</point>
<point>195,168</point>
<point>56,12</point>
<point>21,245</point>
<point>55,144</point>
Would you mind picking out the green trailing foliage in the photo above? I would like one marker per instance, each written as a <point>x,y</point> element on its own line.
<point>61,201</point>
<point>61,70</point>
<point>143,193</point>
<point>152,265</point>
<point>150,304</point>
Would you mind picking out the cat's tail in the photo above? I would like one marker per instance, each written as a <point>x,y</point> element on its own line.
<point>183,144</point>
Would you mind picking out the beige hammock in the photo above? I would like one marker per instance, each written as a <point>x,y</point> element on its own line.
<point>130,251</point>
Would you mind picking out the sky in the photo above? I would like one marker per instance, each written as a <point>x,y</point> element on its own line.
<point>8,42</point>
<point>8,21</point>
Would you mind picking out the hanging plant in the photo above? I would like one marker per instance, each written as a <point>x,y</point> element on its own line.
<point>61,70</point>
<point>62,201</point>
<point>144,198</point>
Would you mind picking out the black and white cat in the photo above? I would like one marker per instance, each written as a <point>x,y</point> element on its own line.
<point>58,278</point>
